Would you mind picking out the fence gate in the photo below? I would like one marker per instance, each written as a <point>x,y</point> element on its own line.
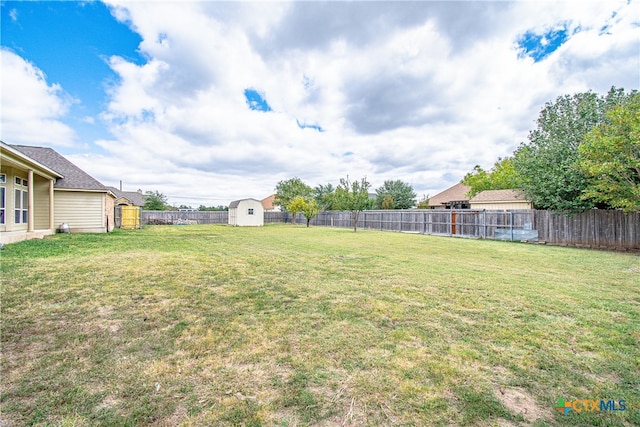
<point>129,216</point>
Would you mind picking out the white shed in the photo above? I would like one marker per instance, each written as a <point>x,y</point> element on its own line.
<point>246,212</point>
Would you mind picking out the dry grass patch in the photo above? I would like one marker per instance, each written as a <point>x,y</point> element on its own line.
<point>289,326</point>
<point>520,402</point>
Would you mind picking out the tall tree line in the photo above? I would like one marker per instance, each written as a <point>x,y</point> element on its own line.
<point>584,153</point>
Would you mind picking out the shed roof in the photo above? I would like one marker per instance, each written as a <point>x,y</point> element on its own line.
<point>456,193</point>
<point>490,196</point>
<point>235,203</point>
<point>74,177</point>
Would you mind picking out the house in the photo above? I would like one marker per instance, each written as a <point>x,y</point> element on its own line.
<point>267,204</point>
<point>452,198</point>
<point>500,200</point>
<point>246,212</point>
<point>40,190</point>
<point>127,198</point>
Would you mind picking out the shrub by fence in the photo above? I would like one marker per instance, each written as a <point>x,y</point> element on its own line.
<point>596,228</point>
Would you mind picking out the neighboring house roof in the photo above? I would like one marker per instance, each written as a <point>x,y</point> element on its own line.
<point>135,197</point>
<point>267,202</point>
<point>492,196</point>
<point>74,178</point>
<point>236,203</point>
<point>452,194</point>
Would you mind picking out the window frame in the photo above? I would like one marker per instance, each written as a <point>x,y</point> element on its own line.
<point>20,206</point>
<point>3,204</point>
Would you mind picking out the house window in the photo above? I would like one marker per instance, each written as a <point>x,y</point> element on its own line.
<point>2,204</point>
<point>250,211</point>
<point>3,178</point>
<point>21,203</point>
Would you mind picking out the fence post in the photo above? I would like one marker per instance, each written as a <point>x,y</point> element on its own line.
<point>424,223</point>
<point>511,224</point>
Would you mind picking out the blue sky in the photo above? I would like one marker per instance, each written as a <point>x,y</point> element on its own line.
<point>208,102</point>
<point>87,35</point>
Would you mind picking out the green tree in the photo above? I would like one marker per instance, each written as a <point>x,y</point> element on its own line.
<point>296,206</point>
<point>610,158</point>
<point>402,194</point>
<point>502,176</point>
<point>353,196</point>
<point>325,195</point>
<point>547,165</point>
<point>424,202</point>
<point>288,190</point>
<point>213,208</point>
<point>310,210</point>
<point>154,201</point>
<point>387,202</point>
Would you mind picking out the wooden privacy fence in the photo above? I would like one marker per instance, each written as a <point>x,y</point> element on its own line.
<point>596,228</point>
<point>500,225</point>
<point>602,229</point>
<point>184,217</point>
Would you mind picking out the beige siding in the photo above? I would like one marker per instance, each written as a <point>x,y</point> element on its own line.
<point>41,202</point>
<point>499,206</point>
<point>82,211</point>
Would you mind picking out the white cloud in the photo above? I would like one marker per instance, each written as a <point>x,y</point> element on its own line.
<point>32,110</point>
<point>416,91</point>
<point>418,101</point>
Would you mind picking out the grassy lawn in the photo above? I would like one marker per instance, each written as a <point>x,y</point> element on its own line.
<point>285,325</point>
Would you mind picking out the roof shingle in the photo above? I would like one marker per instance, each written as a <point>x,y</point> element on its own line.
<point>74,177</point>
<point>135,197</point>
<point>456,193</point>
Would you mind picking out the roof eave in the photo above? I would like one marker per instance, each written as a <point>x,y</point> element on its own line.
<point>26,162</point>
